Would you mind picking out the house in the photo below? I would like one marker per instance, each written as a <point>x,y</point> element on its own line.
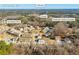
<point>11,40</point>
<point>14,32</point>
<point>43,16</point>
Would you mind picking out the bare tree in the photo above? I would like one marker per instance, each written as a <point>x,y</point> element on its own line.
<point>60,29</point>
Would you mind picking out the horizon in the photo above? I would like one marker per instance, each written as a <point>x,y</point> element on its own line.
<point>39,6</point>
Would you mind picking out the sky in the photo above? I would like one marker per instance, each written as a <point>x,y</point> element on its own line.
<point>39,6</point>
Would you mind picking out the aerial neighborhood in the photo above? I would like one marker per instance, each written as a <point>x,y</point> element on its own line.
<point>23,32</point>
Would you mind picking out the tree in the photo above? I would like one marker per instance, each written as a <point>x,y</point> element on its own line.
<point>24,19</point>
<point>74,23</point>
<point>60,29</point>
<point>5,48</point>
